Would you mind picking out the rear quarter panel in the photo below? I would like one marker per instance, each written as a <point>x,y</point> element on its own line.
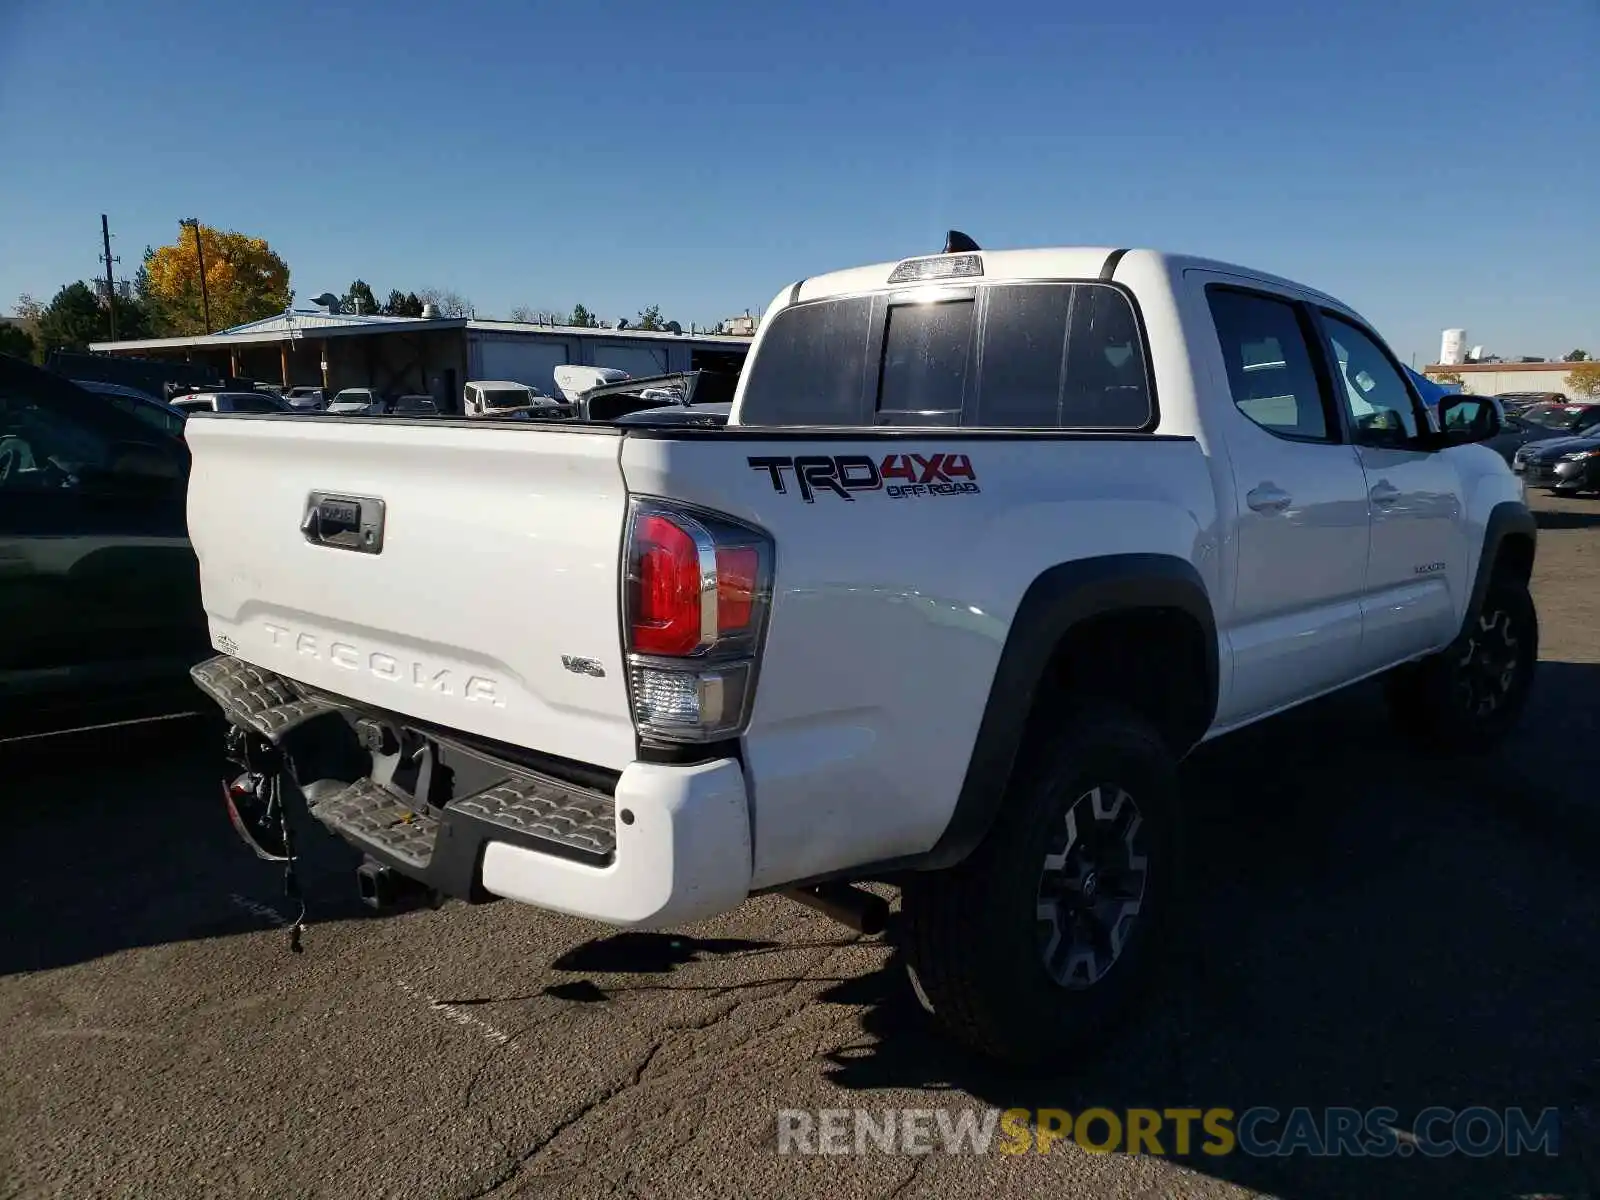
<point>889,613</point>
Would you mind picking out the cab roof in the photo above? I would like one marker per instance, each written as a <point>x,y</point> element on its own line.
<point>1048,262</point>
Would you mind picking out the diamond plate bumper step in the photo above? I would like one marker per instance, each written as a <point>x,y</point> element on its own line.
<point>437,846</point>
<point>369,816</point>
<point>547,811</point>
<point>255,699</point>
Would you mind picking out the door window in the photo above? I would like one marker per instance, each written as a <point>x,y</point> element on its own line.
<point>42,449</point>
<point>1270,366</point>
<point>1382,411</point>
<point>152,415</point>
<point>56,438</point>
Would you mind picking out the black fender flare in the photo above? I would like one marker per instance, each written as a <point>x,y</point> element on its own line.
<point>1057,600</point>
<point>1509,518</point>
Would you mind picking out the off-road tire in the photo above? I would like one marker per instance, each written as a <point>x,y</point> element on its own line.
<point>1468,698</point>
<point>972,932</point>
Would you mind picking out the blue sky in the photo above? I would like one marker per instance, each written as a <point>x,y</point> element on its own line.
<point>1434,164</point>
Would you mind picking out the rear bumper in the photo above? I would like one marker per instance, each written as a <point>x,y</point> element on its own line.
<point>682,853</point>
<point>665,845</point>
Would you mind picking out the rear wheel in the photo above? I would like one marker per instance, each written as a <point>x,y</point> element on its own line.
<point>1052,928</point>
<point>1469,697</point>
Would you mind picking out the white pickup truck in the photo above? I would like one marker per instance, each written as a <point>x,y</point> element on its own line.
<point>989,541</point>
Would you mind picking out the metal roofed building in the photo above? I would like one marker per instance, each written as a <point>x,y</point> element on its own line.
<point>434,356</point>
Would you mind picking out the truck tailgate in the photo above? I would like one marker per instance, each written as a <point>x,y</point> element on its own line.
<point>458,573</point>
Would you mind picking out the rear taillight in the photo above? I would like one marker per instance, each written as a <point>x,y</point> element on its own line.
<point>697,589</point>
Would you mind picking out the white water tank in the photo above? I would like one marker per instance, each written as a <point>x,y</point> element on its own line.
<point>430,312</point>
<point>1452,350</point>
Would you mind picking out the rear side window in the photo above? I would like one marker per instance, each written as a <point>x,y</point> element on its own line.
<point>1269,363</point>
<point>1063,356</point>
<point>810,367</point>
<point>1106,386</point>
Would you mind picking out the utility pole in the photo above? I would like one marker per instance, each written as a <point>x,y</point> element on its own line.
<point>200,254</point>
<point>111,285</point>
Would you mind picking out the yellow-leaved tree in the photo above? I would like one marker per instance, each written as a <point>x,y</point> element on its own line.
<point>1584,380</point>
<point>245,280</point>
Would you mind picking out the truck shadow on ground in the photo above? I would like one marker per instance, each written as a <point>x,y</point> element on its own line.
<point>1364,928</point>
<point>1549,518</point>
<point>120,839</point>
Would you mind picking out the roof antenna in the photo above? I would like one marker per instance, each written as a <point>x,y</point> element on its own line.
<point>956,242</point>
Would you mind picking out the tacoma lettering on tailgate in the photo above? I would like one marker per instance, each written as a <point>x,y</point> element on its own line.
<point>392,669</point>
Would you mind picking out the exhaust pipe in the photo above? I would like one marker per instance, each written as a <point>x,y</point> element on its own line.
<point>865,912</point>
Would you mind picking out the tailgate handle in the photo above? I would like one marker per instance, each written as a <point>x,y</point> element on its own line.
<point>344,522</point>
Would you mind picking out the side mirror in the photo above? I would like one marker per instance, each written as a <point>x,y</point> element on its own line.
<point>1464,419</point>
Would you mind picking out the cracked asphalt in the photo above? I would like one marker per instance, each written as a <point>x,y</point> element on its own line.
<point>1364,928</point>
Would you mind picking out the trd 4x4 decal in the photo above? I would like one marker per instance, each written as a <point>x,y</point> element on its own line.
<point>898,476</point>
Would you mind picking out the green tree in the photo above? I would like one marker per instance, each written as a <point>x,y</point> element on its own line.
<point>359,299</point>
<point>582,318</point>
<point>133,319</point>
<point>402,304</point>
<point>157,320</point>
<point>1576,356</point>
<point>73,319</point>
<point>17,341</point>
<point>650,318</point>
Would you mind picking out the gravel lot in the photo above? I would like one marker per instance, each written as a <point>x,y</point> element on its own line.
<point>1366,928</point>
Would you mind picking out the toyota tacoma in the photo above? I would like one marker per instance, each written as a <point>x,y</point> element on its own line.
<point>988,542</point>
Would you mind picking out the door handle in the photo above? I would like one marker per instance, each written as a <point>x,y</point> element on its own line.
<point>1268,498</point>
<point>1384,494</point>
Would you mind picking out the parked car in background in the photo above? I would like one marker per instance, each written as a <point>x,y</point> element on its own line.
<point>153,412</point>
<point>1543,422</point>
<point>1517,403</point>
<point>99,587</point>
<point>306,399</point>
<point>231,402</point>
<point>358,402</point>
<point>415,406</point>
<point>498,399</point>
<point>1565,466</point>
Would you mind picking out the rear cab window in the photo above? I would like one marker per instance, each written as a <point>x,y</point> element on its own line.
<point>253,404</point>
<point>1045,355</point>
